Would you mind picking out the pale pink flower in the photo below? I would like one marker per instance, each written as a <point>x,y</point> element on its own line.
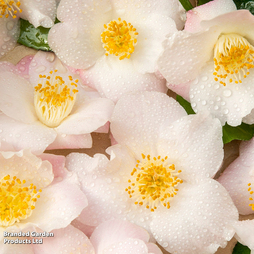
<point>159,175</point>
<point>33,118</point>
<point>122,237</point>
<point>120,40</point>
<point>211,62</point>
<point>37,194</point>
<point>38,13</point>
<point>238,178</point>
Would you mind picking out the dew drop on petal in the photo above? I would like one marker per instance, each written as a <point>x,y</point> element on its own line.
<point>227,93</point>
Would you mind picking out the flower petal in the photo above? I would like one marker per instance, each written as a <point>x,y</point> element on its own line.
<point>82,46</point>
<point>16,248</point>
<point>39,13</point>
<point>200,219</point>
<point>16,98</point>
<point>121,78</point>
<point>65,240</point>
<point>22,135</point>
<point>207,11</point>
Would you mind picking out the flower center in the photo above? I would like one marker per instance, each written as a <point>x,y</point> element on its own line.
<point>54,99</point>
<point>233,57</point>
<point>9,8</point>
<point>119,38</point>
<point>16,201</point>
<point>153,182</point>
<point>251,192</point>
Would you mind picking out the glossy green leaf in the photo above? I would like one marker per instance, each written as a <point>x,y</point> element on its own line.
<point>186,4</point>
<point>201,2</point>
<point>32,37</point>
<point>240,249</point>
<point>241,132</point>
<point>245,4</point>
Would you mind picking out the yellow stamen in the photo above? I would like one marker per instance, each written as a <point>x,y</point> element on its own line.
<point>16,201</point>
<point>54,99</point>
<point>119,38</point>
<point>153,182</point>
<point>233,57</point>
<point>9,8</point>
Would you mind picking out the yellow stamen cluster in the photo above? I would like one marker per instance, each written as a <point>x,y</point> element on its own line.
<point>54,98</point>
<point>233,58</point>
<point>16,200</point>
<point>9,8</point>
<point>153,181</point>
<point>251,192</point>
<point>119,38</point>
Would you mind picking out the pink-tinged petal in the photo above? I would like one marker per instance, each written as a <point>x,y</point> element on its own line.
<point>238,22</point>
<point>238,175</point>
<point>182,90</point>
<point>20,135</point>
<point>153,248</point>
<point>121,78</point>
<point>88,116</point>
<point>126,246</point>
<point>9,34</point>
<point>185,54</point>
<point>111,232</point>
<point>22,67</point>
<point>249,119</point>
<point>87,230</point>
<point>103,129</point>
<point>194,145</point>
<point>207,11</point>
<point>38,13</point>
<point>63,201</point>
<point>57,162</point>
<point>67,239</point>
<point>16,98</point>
<point>65,141</point>
<point>146,113</point>
<point>82,29</point>
<point>228,103</point>
<point>245,233</point>
<point>13,248</point>
<point>200,219</point>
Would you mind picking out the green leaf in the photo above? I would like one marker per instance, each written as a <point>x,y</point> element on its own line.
<point>185,104</point>
<point>240,132</point>
<point>32,37</point>
<point>241,249</point>
<point>245,4</point>
<point>186,4</point>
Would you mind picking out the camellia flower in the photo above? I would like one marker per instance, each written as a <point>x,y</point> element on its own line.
<point>210,63</point>
<point>120,39</point>
<point>122,237</point>
<point>37,194</point>
<point>50,110</point>
<point>160,175</point>
<point>238,178</point>
<point>38,13</point>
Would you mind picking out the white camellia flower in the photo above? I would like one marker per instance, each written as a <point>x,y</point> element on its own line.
<point>238,178</point>
<point>160,175</point>
<point>48,108</point>
<point>37,194</point>
<point>119,40</point>
<point>210,63</point>
<point>38,13</point>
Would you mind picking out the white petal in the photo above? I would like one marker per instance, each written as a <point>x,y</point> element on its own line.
<point>16,98</point>
<point>113,78</point>
<point>81,29</point>
<point>228,103</point>
<point>35,136</point>
<point>185,54</point>
<point>200,219</point>
<point>38,13</point>
<point>139,124</point>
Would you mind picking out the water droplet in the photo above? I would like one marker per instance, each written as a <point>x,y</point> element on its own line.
<point>40,69</point>
<point>10,25</point>
<point>227,93</point>
<point>204,78</point>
